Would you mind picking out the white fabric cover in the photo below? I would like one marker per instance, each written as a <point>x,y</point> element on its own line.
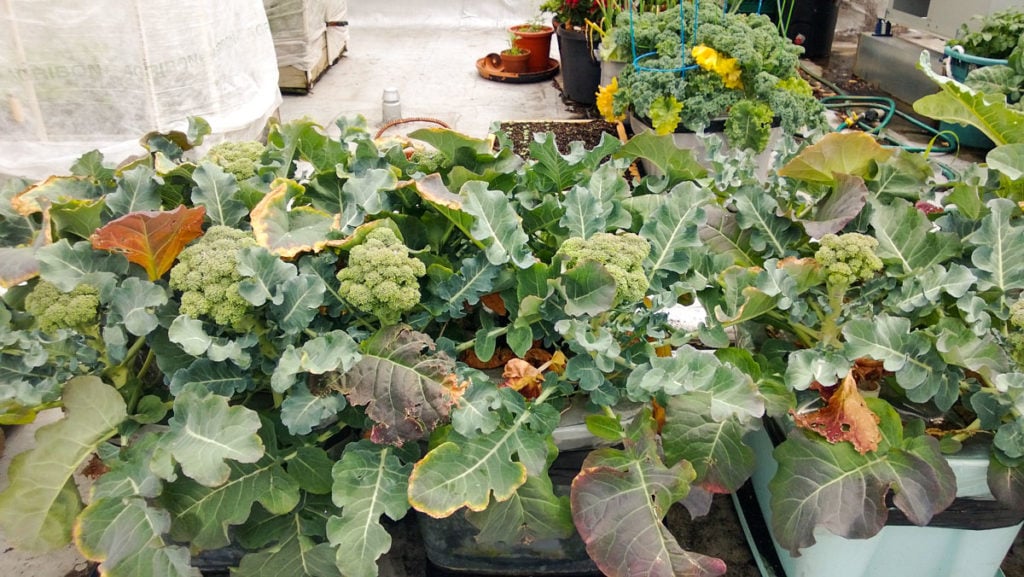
<point>77,76</point>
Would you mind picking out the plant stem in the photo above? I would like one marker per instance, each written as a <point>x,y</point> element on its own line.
<point>496,332</point>
<point>134,350</point>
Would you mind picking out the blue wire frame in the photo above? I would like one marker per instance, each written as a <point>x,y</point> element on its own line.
<point>682,41</point>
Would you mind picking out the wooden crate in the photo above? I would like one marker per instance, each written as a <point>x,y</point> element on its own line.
<point>295,81</point>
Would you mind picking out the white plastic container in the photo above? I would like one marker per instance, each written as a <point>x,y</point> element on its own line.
<point>898,550</point>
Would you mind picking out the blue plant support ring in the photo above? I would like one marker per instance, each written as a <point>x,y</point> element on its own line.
<point>682,41</point>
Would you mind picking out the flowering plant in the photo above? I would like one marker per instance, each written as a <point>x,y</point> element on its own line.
<point>737,67</point>
<point>573,13</point>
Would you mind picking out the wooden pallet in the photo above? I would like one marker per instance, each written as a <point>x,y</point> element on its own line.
<point>292,80</point>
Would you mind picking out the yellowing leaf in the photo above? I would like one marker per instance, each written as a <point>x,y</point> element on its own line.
<point>151,239</point>
<point>845,418</point>
<point>836,153</point>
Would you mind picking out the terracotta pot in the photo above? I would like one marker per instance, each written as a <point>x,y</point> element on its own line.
<point>538,42</point>
<point>517,63</point>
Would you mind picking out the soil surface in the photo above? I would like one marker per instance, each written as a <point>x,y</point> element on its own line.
<point>589,132</point>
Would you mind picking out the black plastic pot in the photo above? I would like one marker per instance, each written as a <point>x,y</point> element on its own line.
<point>813,26</point>
<point>581,70</point>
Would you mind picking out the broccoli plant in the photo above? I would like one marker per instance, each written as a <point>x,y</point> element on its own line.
<point>381,278</point>
<point>208,278</point>
<point>622,255</point>
<point>55,310</point>
<point>240,158</point>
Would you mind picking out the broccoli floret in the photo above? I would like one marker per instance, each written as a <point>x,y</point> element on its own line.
<point>207,276</point>
<point>621,255</point>
<point>848,258</point>
<point>240,158</point>
<point>381,277</point>
<point>55,310</point>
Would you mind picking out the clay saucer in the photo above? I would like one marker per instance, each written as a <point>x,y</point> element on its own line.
<point>490,68</point>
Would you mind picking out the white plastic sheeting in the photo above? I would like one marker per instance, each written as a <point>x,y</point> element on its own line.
<point>301,31</point>
<point>77,76</point>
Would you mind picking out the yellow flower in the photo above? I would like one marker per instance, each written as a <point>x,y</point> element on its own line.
<point>728,68</point>
<point>605,101</point>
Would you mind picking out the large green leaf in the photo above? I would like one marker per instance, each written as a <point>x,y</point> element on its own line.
<point>847,153</point>
<point>301,297</point>
<point>677,164</point>
<point>217,191</point>
<point>204,515</point>
<point>715,448</point>
<point>302,411</point>
<point>496,224</point>
<point>889,339</point>
<point>756,210</point>
<point>589,289</point>
<point>906,237</point>
<point>583,213</point>
<point>126,536</point>
<point>999,251</point>
<point>137,190</point>
<point>723,235</point>
<point>962,105</point>
<point>408,389</point>
<point>134,304</point>
<point>205,433</point>
<point>333,351</point>
<point>533,514</point>
<point>67,265</point>
<point>294,555</point>
<point>77,217</point>
<point>832,486</point>
<point>224,379</point>
<point>618,502</point>
<point>369,481</point>
<point>474,280</point>
<point>733,393</point>
<point>1007,159</point>
<point>448,142</point>
<point>466,471</point>
<point>39,505</point>
<point>265,273</point>
<point>672,231</point>
<point>555,171</point>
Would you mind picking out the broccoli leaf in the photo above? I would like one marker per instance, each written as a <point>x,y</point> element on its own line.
<point>497,225</point>
<point>40,504</point>
<point>77,217</point>
<point>475,279</point>
<point>533,513</point>
<point>584,213</point>
<point>850,153</point>
<point>67,265</point>
<point>301,299</point>
<point>301,411</point>
<point>288,231</point>
<point>619,500</point>
<point>369,481</point>
<point>205,433</point>
<point>127,538</point>
<point>672,230</point>
<point>715,448</point>
<point>589,289</point>
<point>151,240</point>
<point>905,237</point>
<point>756,210</point>
<point>203,515</point>
<point>554,171</point>
<point>266,273</point>
<point>52,190</point>
<point>678,165</point>
<point>999,252</point>
<point>133,303</point>
<point>137,190</point>
<point>832,486</point>
<point>216,190</point>
<point>294,554</point>
<point>407,387</point>
<point>224,379</point>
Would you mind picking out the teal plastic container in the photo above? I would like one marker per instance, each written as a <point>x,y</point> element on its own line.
<point>898,550</point>
<point>960,65</point>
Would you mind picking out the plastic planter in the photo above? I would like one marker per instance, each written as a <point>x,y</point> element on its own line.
<point>960,64</point>
<point>971,538</point>
<point>581,70</point>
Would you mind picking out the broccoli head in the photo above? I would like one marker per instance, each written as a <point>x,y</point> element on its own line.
<point>207,276</point>
<point>240,158</point>
<point>55,310</point>
<point>622,255</point>
<point>381,277</point>
<point>848,258</point>
<point>1016,336</point>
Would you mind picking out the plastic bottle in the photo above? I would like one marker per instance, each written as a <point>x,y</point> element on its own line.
<point>391,106</point>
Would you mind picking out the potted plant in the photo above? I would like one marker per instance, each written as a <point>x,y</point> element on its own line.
<point>581,70</point>
<point>970,58</point>
<point>854,276</point>
<point>252,353</point>
<point>736,74</point>
<point>536,38</point>
<point>515,58</point>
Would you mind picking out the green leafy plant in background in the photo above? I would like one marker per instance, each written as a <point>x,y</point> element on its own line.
<point>739,68</point>
<point>996,36</point>
<point>233,382</point>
